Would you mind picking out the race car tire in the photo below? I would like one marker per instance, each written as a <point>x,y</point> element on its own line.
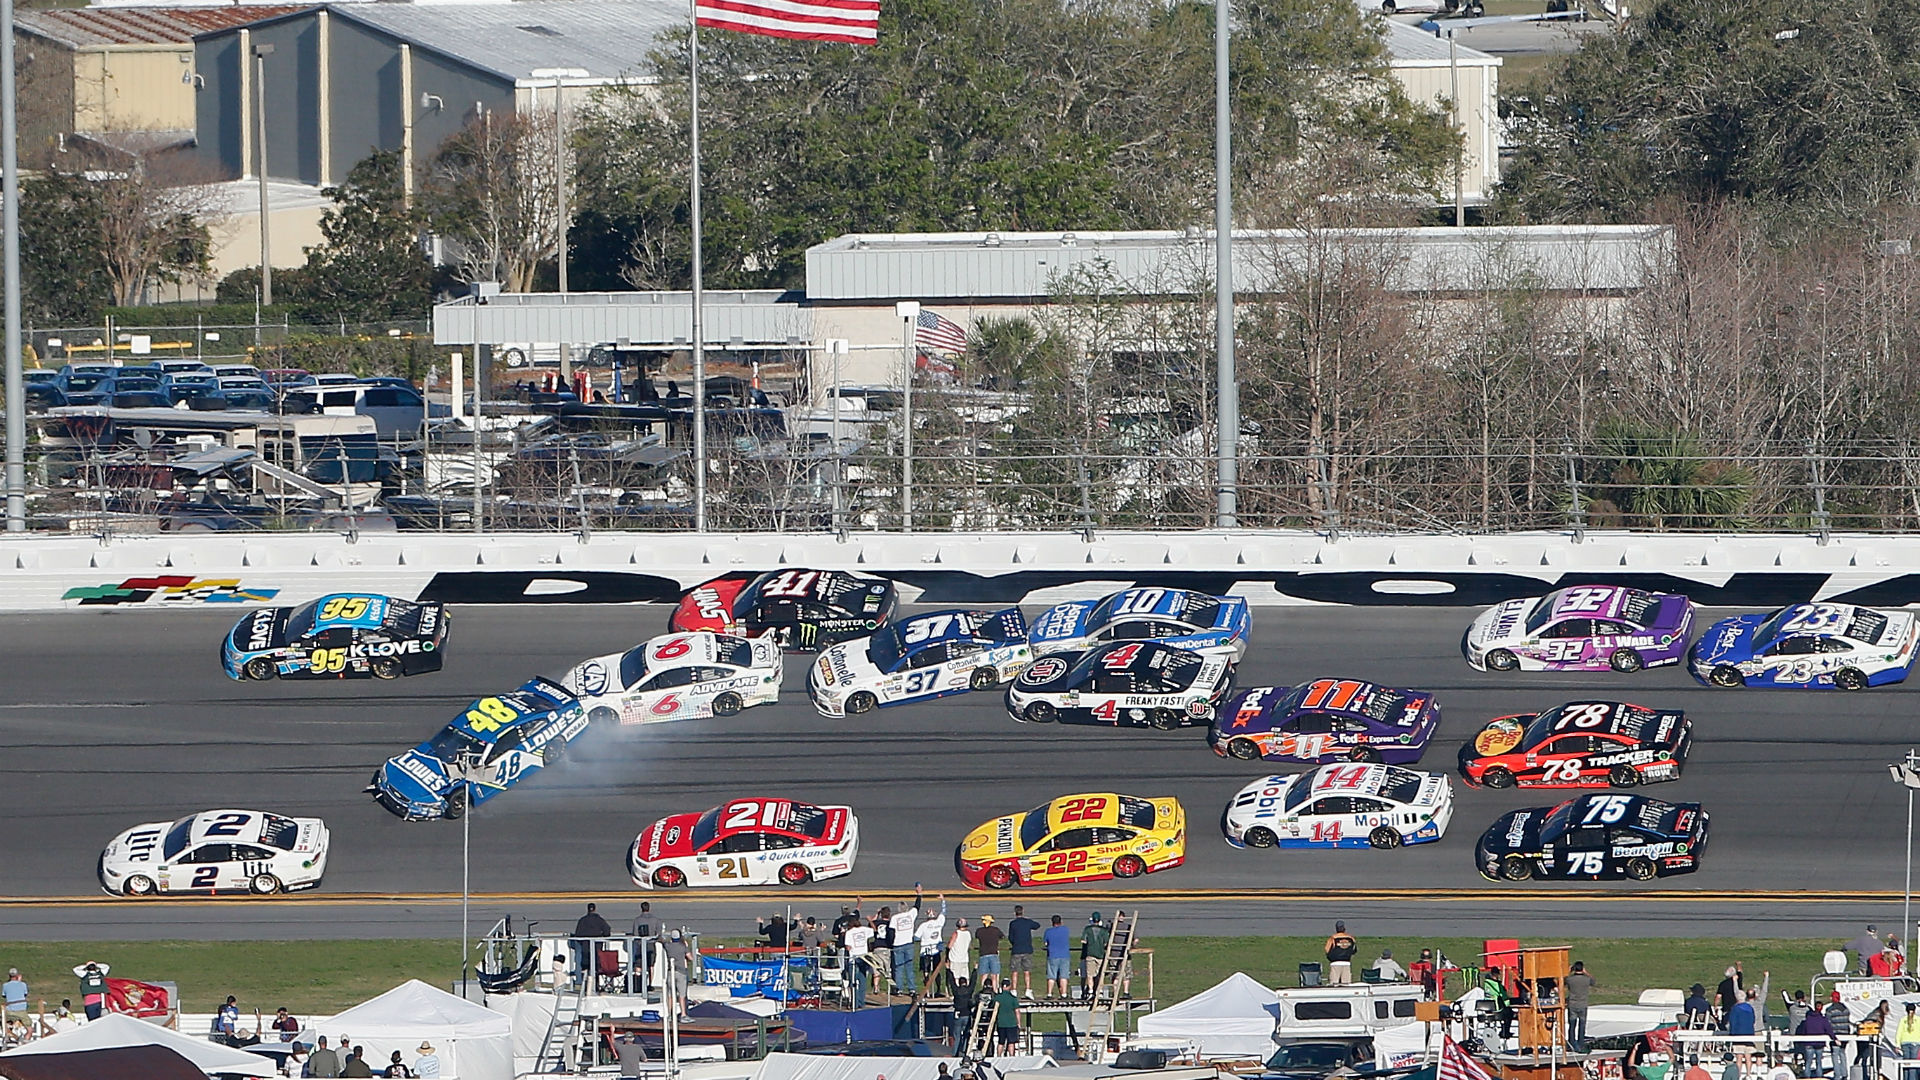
<point>1502,660</point>
<point>983,678</point>
<point>727,704</point>
<point>1625,661</point>
<point>1244,749</point>
<point>1041,712</point>
<point>1000,876</point>
<point>386,667</point>
<point>1260,837</point>
<point>456,805</point>
<point>1641,868</point>
<point>554,754</point>
<point>1384,838</point>
<point>137,885</point>
<point>1624,776</point>
<point>669,877</point>
<point>260,669</point>
<point>1515,868</point>
<point>264,884</point>
<point>1129,866</point>
<point>1850,679</point>
<point>1497,778</point>
<point>1363,754</point>
<point>1166,719</point>
<point>1725,676</point>
<point>861,702</point>
<point>601,714</point>
<point>795,874</point>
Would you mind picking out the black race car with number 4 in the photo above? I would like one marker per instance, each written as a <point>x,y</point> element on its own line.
<point>803,610</point>
<point>1594,837</point>
<point>1135,684</point>
<point>1579,744</point>
<point>343,636</point>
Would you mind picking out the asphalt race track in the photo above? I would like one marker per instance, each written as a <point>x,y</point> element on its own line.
<point>114,718</point>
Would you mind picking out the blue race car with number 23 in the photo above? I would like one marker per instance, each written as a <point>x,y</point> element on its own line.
<point>498,742</point>
<point>1823,646</point>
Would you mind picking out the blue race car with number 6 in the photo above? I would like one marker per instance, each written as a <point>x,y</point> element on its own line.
<point>925,657</point>
<point>343,636</point>
<point>496,743</point>
<point>1819,646</point>
<point>1196,622</point>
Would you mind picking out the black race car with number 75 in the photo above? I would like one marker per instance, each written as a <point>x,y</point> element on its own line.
<point>1594,837</point>
<point>1579,744</point>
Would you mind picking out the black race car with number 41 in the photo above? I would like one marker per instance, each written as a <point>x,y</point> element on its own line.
<point>1594,838</point>
<point>803,610</point>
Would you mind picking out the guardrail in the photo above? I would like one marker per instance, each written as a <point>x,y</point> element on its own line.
<point>40,573</point>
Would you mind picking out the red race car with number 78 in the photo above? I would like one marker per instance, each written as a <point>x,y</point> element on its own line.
<point>1579,744</point>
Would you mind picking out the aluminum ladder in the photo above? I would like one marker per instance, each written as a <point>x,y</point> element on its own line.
<point>986,1011</point>
<point>561,1030</point>
<point>1110,982</point>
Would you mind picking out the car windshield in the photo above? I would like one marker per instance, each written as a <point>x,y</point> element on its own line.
<point>1771,628</point>
<point>1542,726</point>
<point>452,742</point>
<point>279,832</point>
<point>1542,611</point>
<point>177,838</point>
<point>1033,829</point>
<point>1308,1055</point>
<point>705,828</point>
<point>808,820</point>
<point>633,666</point>
<point>1298,793</point>
<point>1556,822</point>
<point>301,620</point>
<point>885,648</point>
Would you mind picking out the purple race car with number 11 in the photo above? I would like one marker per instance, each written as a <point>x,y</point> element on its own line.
<point>1582,628</point>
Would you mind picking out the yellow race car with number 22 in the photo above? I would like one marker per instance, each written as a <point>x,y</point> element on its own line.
<point>1075,838</point>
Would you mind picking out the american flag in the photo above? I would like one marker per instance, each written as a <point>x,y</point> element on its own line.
<point>1457,1064</point>
<point>856,22</point>
<point>936,333</point>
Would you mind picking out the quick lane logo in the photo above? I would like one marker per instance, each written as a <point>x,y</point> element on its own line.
<point>171,589</point>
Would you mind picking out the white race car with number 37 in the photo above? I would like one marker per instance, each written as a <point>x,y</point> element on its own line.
<point>682,676</point>
<point>919,659</point>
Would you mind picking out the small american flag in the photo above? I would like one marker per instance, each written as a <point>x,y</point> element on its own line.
<point>1457,1064</point>
<point>856,22</point>
<point>936,333</point>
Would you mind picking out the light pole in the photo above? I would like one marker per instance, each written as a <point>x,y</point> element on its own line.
<point>16,389</point>
<point>909,312</point>
<point>1906,773</point>
<point>1227,392</point>
<point>468,762</point>
<point>260,54</point>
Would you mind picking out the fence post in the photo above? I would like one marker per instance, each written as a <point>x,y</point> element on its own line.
<point>1816,472</point>
<point>1578,510</point>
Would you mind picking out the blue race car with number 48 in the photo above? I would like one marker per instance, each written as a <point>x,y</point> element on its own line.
<point>343,636</point>
<point>1823,646</point>
<point>498,742</point>
<point>1196,622</point>
<point>925,657</point>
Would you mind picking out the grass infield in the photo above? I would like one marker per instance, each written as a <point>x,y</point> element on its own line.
<point>324,977</point>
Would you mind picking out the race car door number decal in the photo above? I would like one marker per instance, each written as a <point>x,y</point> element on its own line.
<point>730,869</point>
<point>1067,862</point>
<point>1555,772</point>
<point>1585,862</point>
<point>1140,603</point>
<point>791,584</point>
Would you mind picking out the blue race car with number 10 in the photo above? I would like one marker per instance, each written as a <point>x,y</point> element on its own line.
<point>496,743</point>
<point>1815,646</point>
<point>1181,618</point>
<point>922,658</point>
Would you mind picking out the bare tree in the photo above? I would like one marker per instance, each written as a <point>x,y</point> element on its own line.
<point>153,213</point>
<point>490,190</point>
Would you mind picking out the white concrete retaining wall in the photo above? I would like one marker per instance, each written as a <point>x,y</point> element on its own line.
<point>39,573</point>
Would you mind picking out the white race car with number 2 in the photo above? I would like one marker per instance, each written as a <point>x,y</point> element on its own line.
<point>682,676</point>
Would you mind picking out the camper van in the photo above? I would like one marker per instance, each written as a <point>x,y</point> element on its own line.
<point>1355,1011</point>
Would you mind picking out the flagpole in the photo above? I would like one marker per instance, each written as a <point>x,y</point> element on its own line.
<point>699,340</point>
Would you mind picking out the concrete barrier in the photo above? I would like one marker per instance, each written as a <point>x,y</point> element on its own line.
<point>41,573</point>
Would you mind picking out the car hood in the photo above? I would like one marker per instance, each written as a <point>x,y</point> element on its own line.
<point>708,606</point>
<point>1249,712</point>
<point>1515,831</point>
<point>1728,641</point>
<point>845,662</point>
<point>592,678</point>
<point>1062,622</point>
<point>417,777</point>
<point>668,838</point>
<point>258,630</point>
<point>140,844</point>
<point>1001,836</point>
<point>1503,622</point>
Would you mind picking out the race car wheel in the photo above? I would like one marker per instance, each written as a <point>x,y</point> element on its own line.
<point>861,702</point>
<point>727,704</point>
<point>1041,712</point>
<point>602,715</point>
<point>669,877</point>
<point>1259,837</point>
<point>1129,866</point>
<point>1362,753</point>
<point>1384,838</point>
<point>1502,660</point>
<point>1244,749</point>
<point>456,805</point>
<point>264,884</point>
<point>554,754</point>
<point>795,874</point>
<point>983,678</point>
<point>1001,876</point>
<point>1166,719</point>
<point>1624,776</point>
<point>1725,675</point>
<point>1497,778</point>
<point>259,668</point>
<point>1515,868</point>
<point>1641,869</point>
<point>1850,679</point>
<point>386,668</point>
<point>1625,661</point>
<point>138,885</point>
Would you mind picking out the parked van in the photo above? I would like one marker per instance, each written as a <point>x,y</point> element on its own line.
<point>398,412</point>
<point>1342,1012</point>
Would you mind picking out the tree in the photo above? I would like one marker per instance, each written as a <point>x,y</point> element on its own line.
<point>100,237</point>
<point>370,265</point>
<point>63,279</point>
<point>490,190</point>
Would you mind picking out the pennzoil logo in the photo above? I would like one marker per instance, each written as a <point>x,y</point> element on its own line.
<point>171,589</point>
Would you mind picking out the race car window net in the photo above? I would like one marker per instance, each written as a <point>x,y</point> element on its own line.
<point>176,841</point>
<point>453,742</point>
<point>1136,812</point>
<point>1867,626</point>
<point>810,820</point>
<point>279,832</point>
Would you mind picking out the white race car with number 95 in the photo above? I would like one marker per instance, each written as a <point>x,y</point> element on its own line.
<point>682,676</point>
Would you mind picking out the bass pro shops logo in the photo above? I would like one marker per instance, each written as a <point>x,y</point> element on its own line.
<point>171,589</point>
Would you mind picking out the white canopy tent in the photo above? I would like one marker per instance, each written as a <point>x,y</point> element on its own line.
<point>1232,1020</point>
<point>115,1030</point>
<point>471,1041</point>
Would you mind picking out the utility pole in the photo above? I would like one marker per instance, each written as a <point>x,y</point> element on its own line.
<point>260,54</point>
<point>1227,390</point>
<point>10,195</point>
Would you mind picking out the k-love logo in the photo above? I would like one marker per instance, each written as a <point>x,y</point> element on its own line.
<point>171,589</point>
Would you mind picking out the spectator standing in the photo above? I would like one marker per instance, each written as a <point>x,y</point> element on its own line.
<point>295,1063</point>
<point>1731,991</point>
<point>962,1012</point>
<point>929,938</point>
<point>848,917</point>
<point>1907,1036</point>
<point>323,1061</point>
<point>1340,949</point>
<point>1888,962</point>
<point>858,939</point>
<point>644,924</point>
<point>1698,1011</point>
<point>357,1064</point>
<point>901,927</point>
<point>1577,994</point>
<point>590,926</point>
<point>15,991</point>
<point>680,956</point>
<point>397,1068</point>
<point>1059,958</point>
<point>427,1065</point>
<point>1389,968</point>
<point>93,991</point>
<point>1841,1018</point>
<point>285,1024</point>
<point>1816,1033</point>
<point>773,931</point>
<point>1872,1028</point>
<point>1006,1019</point>
<point>987,939</point>
<point>813,936</point>
<point>1740,1025</point>
<point>1864,947</point>
<point>959,955</point>
<point>1093,952</point>
<point>1696,1071</point>
<point>1020,949</point>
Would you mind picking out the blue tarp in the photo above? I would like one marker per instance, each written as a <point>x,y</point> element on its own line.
<point>833,1026</point>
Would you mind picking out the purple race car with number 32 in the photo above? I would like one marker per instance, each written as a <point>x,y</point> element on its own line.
<point>1582,628</point>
